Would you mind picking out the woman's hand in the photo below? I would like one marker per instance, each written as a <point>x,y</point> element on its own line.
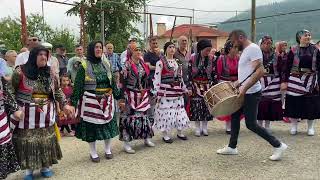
<point>122,105</point>
<point>18,115</point>
<point>284,86</point>
<point>69,111</point>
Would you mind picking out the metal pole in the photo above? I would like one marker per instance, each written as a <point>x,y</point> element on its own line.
<point>193,16</point>
<point>43,33</point>
<point>253,21</point>
<point>24,33</point>
<point>145,21</point>
<point>102,24</point>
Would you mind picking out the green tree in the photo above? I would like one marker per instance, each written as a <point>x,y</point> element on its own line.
<point>63,36</point>
<point>37,27</point>
<point>10,33</point>
<point>119,19</point>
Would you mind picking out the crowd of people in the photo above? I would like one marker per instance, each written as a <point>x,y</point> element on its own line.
<point>101,95</point>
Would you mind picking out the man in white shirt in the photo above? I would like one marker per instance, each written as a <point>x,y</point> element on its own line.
<point>250,65</point>
<point>22,58</point>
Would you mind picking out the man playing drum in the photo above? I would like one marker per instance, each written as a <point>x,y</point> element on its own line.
<point>250,65</point>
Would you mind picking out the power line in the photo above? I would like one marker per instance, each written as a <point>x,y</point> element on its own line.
<point>269,16</point>
<point>190,9</point>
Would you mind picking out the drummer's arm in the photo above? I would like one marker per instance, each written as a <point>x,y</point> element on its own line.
<point>257,64</point>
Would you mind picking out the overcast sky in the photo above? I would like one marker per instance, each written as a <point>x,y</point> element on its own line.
<point>55,13</point>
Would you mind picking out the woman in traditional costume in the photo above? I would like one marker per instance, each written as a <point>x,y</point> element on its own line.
<point>169,89</point>
<point>201,78</point>
<point>302,82</point>
<point>94,96</point>
<point>36,90</point>
<point>134,119</point>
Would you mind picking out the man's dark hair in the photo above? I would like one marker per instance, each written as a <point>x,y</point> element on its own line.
<point>318,43</point>
<point>60,46</point>
<point>153,38</point>
<point>78,45</point>
<point>237,33</point>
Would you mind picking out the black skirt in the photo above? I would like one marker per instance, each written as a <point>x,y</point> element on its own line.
<point>304,107</point>
<point>270,110</point>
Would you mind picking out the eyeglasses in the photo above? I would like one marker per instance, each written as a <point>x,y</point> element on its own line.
<point>137,50</point>
<point>33,39</point>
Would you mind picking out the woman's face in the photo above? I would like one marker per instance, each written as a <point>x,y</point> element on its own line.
<point>284,47</point>
<point>42,59</point>
<point>136,52</point>
<point>171,50</point>
<point>206,51</point>
<point>233,51</point>
<point>98,50</point>
<point>305,38</point>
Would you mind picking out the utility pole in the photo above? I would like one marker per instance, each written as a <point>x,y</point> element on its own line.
<point>145,21</point>
<point>253,21</point>
<point>102,25</point>
<point>43,33</point>
<point>193,10</point>
<point>23,24</point>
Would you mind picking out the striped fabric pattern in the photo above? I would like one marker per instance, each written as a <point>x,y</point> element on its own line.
<point>35,117</point>
<point>271,87</point>
<point>97,110</point>
<point>166,90</point>
<point>299,85</point>
<point>138,101</point>
<point>5,134</point>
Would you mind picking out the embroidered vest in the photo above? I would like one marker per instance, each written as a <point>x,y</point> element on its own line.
<point>90,83</point>
<point>133,80</point>
<point>168,73</point>
<point>296,60</point>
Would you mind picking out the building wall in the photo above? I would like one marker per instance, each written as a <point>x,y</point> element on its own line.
<point>220,42</point>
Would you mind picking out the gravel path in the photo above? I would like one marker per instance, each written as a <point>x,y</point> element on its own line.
<point>195,158</point>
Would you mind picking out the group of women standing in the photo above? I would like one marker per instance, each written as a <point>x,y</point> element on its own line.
<point>31,109</point>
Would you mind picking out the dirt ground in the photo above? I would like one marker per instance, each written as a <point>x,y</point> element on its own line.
<point>196,158</point>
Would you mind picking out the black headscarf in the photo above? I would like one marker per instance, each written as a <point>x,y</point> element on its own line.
<point>166,46</point>
<point>202,44</point>
<point>90,52</point>
<point>301,33</point>
<point>30,69</point>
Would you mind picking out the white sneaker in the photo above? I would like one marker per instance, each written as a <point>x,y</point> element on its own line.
<point>227,151</point>
<point>278,152</point>
<point>311,132</point>
<point>149,143</point>
<point>293,131</point>
<point>128,149</point>
<point>205,132</point>
<point>197,133</point>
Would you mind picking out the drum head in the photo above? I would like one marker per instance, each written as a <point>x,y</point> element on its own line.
<point>227,106</point>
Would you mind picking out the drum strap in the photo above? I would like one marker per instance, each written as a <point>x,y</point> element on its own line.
<point>249,75</point>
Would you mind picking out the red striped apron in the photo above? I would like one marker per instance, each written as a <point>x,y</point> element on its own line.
<point>96,110</point>
<point>299,85</point>
<point>138,101</point>
<point>35,116</point>
<point>166,90</point>
<point>271,87</point>
<point>5,134</point>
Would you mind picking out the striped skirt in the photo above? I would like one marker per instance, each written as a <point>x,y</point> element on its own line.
<point>302,100</point>
<point>270,105</point>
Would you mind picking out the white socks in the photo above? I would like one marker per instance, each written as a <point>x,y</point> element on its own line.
<point>93,150</point>
<point>29,172</point>
<point>228,125</point>
<point>198,130</point>
<point>265,125</point>
<point>294,126</point>
<point>180,133</point>
<point>260,123</point>
<point>310,124</point>
<point>107,146</point>
<point>205,126</point>
<point>165,135</point>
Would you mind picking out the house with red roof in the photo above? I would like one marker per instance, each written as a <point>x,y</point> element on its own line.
<point>192,31</point>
